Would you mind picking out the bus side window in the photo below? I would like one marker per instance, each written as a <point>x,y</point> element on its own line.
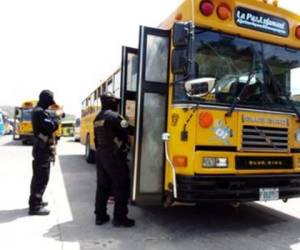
<point>104,88</point>
<point>132,69</point>
<point>110,86</point>
<point>117,83</point>
<point>157,59</point>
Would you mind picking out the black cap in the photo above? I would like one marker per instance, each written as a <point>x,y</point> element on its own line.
<point>109,101</point>
<point>46,98</point>
<point>107,94</point>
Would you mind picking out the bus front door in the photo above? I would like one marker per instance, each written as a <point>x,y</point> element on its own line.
<point>150,115</point>
<point>129,71</point>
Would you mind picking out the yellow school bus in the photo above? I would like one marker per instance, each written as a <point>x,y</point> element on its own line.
<point>51,110</point>
<point>216,107</point>
<point>90,106</point>
<point>23,125</point>
<point>67,127</point>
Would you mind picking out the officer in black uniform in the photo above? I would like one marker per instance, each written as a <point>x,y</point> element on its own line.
<point>43,152</point>
<point>111,140</point>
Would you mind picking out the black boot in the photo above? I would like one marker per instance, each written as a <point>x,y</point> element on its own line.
<point>38,211</point>
<point>124,222</point>
<point>100,220</point>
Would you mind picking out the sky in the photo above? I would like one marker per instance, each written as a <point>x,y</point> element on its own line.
<point>68,46</point>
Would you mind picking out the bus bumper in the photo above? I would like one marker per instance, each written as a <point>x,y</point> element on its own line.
<point>234,188</point>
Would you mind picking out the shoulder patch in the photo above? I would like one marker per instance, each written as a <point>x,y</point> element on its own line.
<point>99,123</point>
<point>124,124</point>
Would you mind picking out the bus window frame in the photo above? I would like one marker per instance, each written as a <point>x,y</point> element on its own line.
<point>126,94</point>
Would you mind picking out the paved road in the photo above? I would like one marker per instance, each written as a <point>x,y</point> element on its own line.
<point>273,225</point>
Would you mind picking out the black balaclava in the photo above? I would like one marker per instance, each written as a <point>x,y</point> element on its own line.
<point>109,101</point>
<point>46,99</point>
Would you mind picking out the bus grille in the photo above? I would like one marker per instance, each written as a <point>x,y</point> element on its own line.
<point>257,138</point>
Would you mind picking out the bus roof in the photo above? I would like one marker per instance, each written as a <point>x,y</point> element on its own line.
<point>29,104</point>
<point>115,72</point>
<point>262,21</point>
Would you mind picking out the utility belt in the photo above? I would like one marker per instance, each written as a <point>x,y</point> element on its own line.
<point>117,148</point>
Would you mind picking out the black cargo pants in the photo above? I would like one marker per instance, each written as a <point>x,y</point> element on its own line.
<point>112,178</point>
<point>40,175</point>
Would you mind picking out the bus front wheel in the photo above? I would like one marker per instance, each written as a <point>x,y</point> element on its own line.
<point>89,153</point>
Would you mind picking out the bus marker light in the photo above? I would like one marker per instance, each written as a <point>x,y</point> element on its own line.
<point>206,7</point>
<point>178,16</point>
<point>297,33</point>
<point>224,11</point>
<point>275,3</point>
<point>180,161</point>
<point>28,105</point>
<point>206,119</point>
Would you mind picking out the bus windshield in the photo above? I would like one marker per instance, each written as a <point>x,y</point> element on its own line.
<point>236,62</point>
<point>26,114</point>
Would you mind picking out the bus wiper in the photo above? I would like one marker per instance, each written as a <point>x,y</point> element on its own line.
<point>250,75</point>
<point>274,81</point>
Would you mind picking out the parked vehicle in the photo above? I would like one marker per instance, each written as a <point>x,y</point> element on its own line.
<point>67,128</point>
<point>77,130</point>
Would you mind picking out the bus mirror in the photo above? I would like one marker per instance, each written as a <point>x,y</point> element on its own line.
<point>17,112</point>
<point>181,33</point>
<point>180,61</point>
<point>199,87</point>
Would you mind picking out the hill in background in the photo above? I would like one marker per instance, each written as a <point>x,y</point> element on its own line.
<point>10,110</point>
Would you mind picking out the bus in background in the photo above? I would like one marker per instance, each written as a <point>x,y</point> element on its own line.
<point>8,127</point>
<point>89,109</point>
<point>77,130</point>
<point>215,115</point>
<point>67,128</point>
<point>2,130</point>
<point>52,111</point>
<point>23,126</point>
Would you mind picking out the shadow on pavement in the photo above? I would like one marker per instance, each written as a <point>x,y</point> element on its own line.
<point>11,215</point>
<point>212,226</point>
<point>16,143</point>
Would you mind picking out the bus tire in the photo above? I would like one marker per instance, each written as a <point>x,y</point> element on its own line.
<point>89,153</point>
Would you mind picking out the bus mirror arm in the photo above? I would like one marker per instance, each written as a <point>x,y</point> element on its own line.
<point>165,138</point>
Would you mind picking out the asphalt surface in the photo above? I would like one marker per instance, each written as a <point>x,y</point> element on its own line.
<point>71,191</point>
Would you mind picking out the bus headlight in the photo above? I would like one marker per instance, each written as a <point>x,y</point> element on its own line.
<point>214,162</point>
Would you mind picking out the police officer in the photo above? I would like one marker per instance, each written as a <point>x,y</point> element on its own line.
<point>111,140</point>
<point>43,151</point>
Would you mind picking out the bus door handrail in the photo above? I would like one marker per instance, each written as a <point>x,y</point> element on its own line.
<point>166,137</point>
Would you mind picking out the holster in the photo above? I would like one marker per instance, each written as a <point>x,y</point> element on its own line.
<point>52,150</point>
